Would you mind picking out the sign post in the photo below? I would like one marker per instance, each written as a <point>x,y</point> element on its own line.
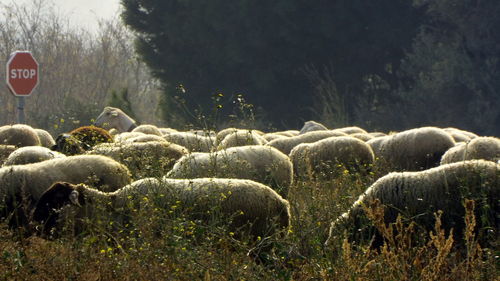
<point>20,110</point>
<point>21,78</point>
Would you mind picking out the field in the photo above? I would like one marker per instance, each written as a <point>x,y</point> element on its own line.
<point>166,244</point>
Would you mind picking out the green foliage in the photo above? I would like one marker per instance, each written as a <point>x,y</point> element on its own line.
<point>452,71</point>
<point>260,48</point>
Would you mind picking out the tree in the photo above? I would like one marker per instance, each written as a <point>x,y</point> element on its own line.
<point>260,48</point>
<point>453,67</point>
<point>78,69</point>
<point>121,100</point>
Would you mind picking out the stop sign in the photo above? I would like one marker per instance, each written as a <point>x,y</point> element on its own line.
<point>22,73</point>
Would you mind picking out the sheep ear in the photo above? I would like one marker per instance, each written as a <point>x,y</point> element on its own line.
<point>73,197</point>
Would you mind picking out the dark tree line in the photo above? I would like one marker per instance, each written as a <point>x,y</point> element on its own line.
<point>454,67</point>
<point>378,64</point>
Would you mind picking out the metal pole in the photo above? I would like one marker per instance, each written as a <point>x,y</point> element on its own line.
<point>20,110</point>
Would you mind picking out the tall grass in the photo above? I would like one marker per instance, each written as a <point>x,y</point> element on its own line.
<point>161,240</point>
<point>168,244</point>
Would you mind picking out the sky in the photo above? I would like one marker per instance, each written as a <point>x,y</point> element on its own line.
<point>82,13</point>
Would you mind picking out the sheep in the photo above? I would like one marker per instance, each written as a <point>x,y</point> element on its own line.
<point>264,164</point>
<point>377,134</point>
<point>143,159</point>
<point>311,126</point>
<point>240,138</point>
<point>468,134</point>
<point>288,133</point>
<point>487,148</point>
<point>351,130</point>
<point>272,136</point>
<point>91,135</point>
<point>113,132</point>
<point>192,142</point>
<point>285,145</point>
<point>18,135</point>
<point>223,133</point>
<point>418,195</point>
<point>458,136</point>
<point>69,145</point>
<point>291,133</point>
<point>31,154</point>
<point>414,149</point>
<point>252,206</point>
<point>81,139</point>
<point>22,185</point>
<point>205,133</point>
<point>112,117</point>
<point>144,138</point>
<point>362,136</point>
<point>46,139</point>
<point>164,131</point>
<point>123,137</point>
<point>5,151</point>
<point>322,159</point>
<point>376,144</point>
<point>147,129</point>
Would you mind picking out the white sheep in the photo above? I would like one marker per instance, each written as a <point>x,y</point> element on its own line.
<point>286,145</point>
<point>487,148</point>
<point>112,117</point>
<point>322,159</point>
<point>193,142</point>
<point>222,134</point>
<point>376,144</point>
<point>264,164</point>
<point>458,136</point>
<point>164,131</point>
<point>241,138</point>
<point>467,134</point>
<point>288,133</point>
<point>18,135</point>
<point>205,133</point>
<point>123,137</point>
<point>144,138</point>
<point>272,136</point>
<point>351,130</point>
<point>22,185</point>
<point>418,195</point>
<point>311,126</point>
<point>46,139</point>
<point>31,154</point>
<point>377,134</point>
<point>414,149</point>
<point>251,205</point>
<point>143,159</point>
<point>113,132</point>
<point>148,129</point>
<point>362,136</point>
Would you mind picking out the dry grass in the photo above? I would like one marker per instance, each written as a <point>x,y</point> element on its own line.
<point>167,244</point>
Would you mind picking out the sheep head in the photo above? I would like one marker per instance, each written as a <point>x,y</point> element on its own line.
<point>112,117</point>
<point>57,196</point>
<point>69,145</point>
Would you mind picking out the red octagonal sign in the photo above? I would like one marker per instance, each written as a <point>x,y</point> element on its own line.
<point>22,73</point>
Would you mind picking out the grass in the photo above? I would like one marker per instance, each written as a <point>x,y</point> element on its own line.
<point>166,244</point>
